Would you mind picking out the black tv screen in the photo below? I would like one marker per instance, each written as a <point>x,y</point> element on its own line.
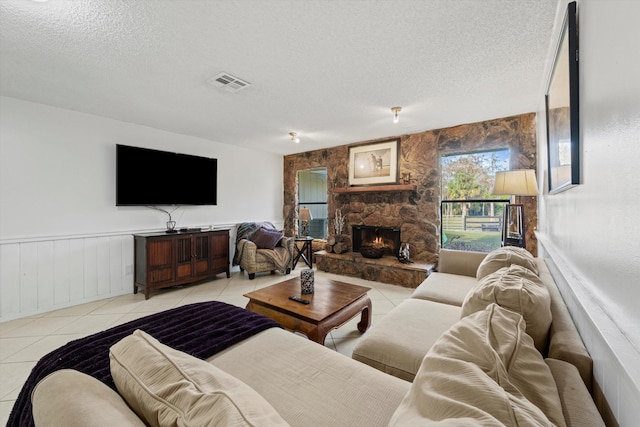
<point>146,177</point>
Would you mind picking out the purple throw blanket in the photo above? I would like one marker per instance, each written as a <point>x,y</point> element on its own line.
<point>200,330</point>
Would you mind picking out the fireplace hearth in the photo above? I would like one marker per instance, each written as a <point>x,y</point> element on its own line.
<point>375,242</point>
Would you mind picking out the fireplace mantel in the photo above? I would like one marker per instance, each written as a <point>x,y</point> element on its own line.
<point>375,188</point>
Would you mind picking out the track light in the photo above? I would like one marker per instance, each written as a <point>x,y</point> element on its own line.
<point>294,137</point>
<point>396,114</point>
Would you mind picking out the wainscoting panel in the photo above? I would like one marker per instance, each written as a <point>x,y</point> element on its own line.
<point>28,279</point>
<point>90,257</point>
<point>61,278</point>
<point>103,267</point>
<point>44,274</point>
<point>75,262</point>
<point>9,280</point>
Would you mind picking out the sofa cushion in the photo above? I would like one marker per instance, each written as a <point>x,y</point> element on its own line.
<point>483,371</point>
<point>464,263</point>
<point>168,387</point>
<point>69,398</point>
<point>397,343</point>
<point>266,238</point>
<point>445,288</point>
<point>504,257</point>
<point>311,385</point>
<point>519,290</point>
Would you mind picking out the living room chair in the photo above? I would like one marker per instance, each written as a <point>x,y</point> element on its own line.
<point>260,248</point>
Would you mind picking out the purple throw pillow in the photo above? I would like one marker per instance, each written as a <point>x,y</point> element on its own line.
<point>266,238</point>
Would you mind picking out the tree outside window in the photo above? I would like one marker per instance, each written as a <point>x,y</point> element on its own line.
<point>471,217</point>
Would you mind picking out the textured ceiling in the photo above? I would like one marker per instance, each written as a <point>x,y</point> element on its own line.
<point>329,70</point>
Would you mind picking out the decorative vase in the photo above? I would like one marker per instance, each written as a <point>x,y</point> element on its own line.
<point>306,281</point>
<point>404,254</point>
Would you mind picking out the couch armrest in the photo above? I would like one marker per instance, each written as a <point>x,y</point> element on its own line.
<point>578,407</point>
<point>247,248</point>
<point>459,262</point>
<point>70,398</point>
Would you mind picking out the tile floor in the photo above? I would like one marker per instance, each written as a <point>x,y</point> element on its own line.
<point>24,341</point>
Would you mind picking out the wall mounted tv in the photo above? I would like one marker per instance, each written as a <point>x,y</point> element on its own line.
<point>146,177</point>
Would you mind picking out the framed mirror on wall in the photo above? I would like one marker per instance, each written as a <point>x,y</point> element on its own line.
<point>563,130</point>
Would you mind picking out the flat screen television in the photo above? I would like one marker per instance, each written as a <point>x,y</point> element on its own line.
<point>146,177</point>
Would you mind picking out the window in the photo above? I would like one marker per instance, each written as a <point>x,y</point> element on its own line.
<point>312,193</point>
<point>470,216</point>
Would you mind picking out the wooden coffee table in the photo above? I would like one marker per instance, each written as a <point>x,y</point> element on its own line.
<point>332,305</point>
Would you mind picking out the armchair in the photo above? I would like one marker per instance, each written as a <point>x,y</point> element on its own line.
<point>255,252</point>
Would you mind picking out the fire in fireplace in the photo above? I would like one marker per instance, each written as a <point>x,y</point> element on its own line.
<point>385,240</point>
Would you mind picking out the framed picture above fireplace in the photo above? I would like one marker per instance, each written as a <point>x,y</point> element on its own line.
<point>374,163</point>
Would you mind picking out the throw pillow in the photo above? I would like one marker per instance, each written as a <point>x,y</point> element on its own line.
<point>504,257</point>
<point>518,289</point>
<point>167,387</point>
<point>483,371</point>
<point>70,398</point>
<point>266,238</point>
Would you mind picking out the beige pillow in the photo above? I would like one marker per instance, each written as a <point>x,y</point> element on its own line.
<point>483,371</point>
<point>69,398</point>
<point>167,387</point>
<point>504,257</point>
<point>519,290</point>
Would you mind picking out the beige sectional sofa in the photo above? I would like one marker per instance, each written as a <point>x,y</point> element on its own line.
<point>301,382</point>
<point>399,342</point>
<point>481,370</point>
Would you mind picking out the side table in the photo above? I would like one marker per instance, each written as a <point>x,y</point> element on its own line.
<point>305,251</point>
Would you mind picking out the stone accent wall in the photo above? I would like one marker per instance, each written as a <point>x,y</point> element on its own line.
<point>417,211</point>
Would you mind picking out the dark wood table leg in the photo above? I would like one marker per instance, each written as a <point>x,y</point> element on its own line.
<point>365,318</point>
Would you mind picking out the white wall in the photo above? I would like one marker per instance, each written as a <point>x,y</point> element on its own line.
<point>592,231</point>
<point>57,202</point>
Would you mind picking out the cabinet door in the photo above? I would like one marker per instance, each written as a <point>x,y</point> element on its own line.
<point>220,250</point>
<point>184,257</point>
<point>201,254</point>
<point>160,260</point>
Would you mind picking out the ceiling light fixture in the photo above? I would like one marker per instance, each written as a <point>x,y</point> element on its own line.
<point>396,114</point>
<point>294,137</point>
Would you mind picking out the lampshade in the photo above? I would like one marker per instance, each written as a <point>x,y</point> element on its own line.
<point>305,214</point>
<point>519,182</point>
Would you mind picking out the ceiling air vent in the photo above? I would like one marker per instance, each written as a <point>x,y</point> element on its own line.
<point>227,82</point>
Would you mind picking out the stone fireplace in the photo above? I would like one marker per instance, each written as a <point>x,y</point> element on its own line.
<point>387,238</point>
<point>413,208</point>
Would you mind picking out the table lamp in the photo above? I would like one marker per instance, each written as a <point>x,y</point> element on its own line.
<point>305,216</point>
<point>519,182</point>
